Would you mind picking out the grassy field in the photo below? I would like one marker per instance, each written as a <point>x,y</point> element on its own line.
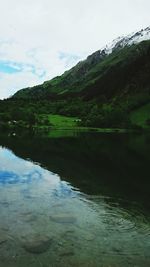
<point>63,122</point>
<point>141,115</point>
<point>59,124</point>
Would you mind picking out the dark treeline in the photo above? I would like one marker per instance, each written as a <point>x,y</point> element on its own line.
<point>95,113</point>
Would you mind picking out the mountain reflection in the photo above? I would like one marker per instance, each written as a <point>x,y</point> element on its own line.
<point>107,164</point>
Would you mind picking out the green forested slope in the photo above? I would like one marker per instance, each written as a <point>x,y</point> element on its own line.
<point>124,72</point>
<point>103,91</point>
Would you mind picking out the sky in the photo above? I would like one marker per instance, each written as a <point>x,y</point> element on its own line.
<point>40,39</point>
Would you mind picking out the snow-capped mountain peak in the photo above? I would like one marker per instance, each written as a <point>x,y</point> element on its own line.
<point>128,40</point>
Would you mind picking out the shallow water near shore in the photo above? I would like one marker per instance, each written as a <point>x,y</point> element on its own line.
<point>75,201</point>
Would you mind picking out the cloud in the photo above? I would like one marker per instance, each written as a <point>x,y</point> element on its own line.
<point>43,38</point>
<point>10,83</point>
<point>68,59</point>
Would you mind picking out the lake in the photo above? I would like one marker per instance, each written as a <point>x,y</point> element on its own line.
<point>79,200</point>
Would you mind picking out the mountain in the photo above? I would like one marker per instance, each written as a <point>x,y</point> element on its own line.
<point>119,69</point>
<point>109,89</point>
<point>128,40</point>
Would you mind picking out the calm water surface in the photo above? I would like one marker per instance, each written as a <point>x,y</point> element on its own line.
<point>75,201</point>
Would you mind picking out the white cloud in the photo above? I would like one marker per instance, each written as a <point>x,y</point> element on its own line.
<point>9,83</point>
<point>34,33</point>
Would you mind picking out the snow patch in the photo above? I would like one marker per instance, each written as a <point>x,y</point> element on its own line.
<point>128,40</point>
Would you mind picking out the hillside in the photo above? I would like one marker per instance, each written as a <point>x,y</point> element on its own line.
<point>122,72</point>
<point>121,68</point>
<point>110,89</point>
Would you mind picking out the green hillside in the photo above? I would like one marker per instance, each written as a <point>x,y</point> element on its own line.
<point>124,72</point>
<point>141,116</point>
<point>103,91</point>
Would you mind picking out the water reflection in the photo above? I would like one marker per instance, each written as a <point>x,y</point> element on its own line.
<point>71,208</point>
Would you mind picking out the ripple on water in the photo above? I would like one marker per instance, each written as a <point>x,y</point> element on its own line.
<point>123,229</point>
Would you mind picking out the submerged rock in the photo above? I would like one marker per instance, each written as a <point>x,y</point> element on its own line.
<point>67,254</point>
<point>3,239</point>
<point>37,244</point>
<point>90,236</point>
<point>30,218</point>
<point>63,218</point>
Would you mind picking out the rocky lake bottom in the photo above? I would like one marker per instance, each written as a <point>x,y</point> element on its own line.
<point>47,220</point>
